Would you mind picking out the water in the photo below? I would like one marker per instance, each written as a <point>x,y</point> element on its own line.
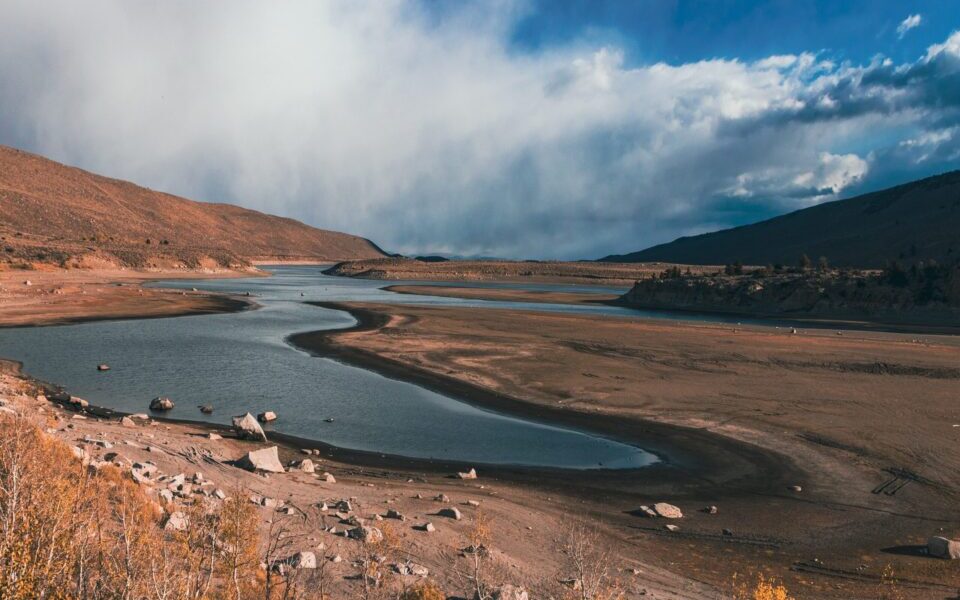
<point>241,362</point>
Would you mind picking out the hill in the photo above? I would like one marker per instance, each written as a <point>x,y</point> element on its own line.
<point>53,213</point>
<point>911,222</point>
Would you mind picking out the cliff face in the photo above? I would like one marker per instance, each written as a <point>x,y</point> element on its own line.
<point>862,296</point>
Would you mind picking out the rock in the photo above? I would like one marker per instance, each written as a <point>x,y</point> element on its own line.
<point>303,560</point>
<point>266,417</point>
<point>103,367</point>
<point>473,503</point>
<point>219,494</point>
<point>265,459</point>
<point>78,452</point>
<point>127,422</point>
<point>441,498</point>
<point>328,477</point>
<point>102,443</point>
<point>727,532</point>
<point>367,535</point>
<point>511,592</point>
<point>78,402</point>
<point>306,465</point>
<point>344,506</point>
<point>428,527</point>
<point>942,547</point>
<point>395,514</point>
<point>336,559</point>
<point>142,416</point>
<point>248,428</point>
<point>176,521</point>
<point>795,488</point>
<point>671,528</point>
<point>711,510</point>
<point>471,474</point>
<point>214,436</point>
<point>452,513</point>
<point>161,403</point>
<point>206,409</point>
<point>667,511</point>
<point>166,496</point>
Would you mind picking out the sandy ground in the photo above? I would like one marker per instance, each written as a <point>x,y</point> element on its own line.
<point>57,296</point>
<point>503,294</point>
<point>580,272</point>
<point>849,412</point>
<point>526,522</point>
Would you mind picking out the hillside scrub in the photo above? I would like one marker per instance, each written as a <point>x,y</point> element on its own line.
<point>924,292</point>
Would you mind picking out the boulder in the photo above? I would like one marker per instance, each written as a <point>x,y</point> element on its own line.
<point>127,422</point>
<point>327,477</point>
<point>302,560</point>
<point>367,535</point>
<point>471,474</point>
<point>395,514</point>
<point>942,547</point>
<point>511,592</point>
<point>306,465</point>
<point>176,522</point>
<point>667,511</point>
<point>206,409</point>
<point>214,436</point>
<point>161,403</point>
<point>78,402</point>
<point>428,527</point>
<point>265,459</point>
<point>452,513</point>
<point>103,367</point>
<point>248,428</point>
<point>266,417</point>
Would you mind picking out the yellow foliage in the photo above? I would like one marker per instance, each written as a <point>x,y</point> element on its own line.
<point>762,589</point>
<point>426,590</point>
<point>69,531</point>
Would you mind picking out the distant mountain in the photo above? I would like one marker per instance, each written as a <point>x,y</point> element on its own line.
<point>53,213</point>
<point>911,222</point>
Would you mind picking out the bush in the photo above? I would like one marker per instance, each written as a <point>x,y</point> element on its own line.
<point>69,531</point>
<point>426,590</point>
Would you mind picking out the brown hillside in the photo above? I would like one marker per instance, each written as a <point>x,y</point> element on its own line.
<point>52,213</point>
<point>917,221</point>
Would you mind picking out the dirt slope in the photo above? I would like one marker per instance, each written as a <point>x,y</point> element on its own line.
<point>53,213</point>
<point>911,222</point>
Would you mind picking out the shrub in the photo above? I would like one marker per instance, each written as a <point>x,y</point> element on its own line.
<point>426,590</point>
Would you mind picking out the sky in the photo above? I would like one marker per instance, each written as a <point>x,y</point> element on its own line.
<point>544,129</point>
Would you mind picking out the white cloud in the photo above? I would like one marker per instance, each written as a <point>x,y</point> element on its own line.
<point>908,24</point>
<point>376,119</point>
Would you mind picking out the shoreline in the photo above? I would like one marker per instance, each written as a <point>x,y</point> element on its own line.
<point>750,318</point>
<point>687,456</point>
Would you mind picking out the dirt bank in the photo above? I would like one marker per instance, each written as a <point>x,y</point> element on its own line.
<point>56,297</point>
<point>595,273</point>
<point>852,412</point>
<point>511,295</point>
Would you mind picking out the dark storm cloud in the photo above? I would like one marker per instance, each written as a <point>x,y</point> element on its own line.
<point>430,136</point>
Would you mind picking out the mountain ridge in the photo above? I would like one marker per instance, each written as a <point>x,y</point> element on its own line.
<point>910,222</point>
<point>51,212</point>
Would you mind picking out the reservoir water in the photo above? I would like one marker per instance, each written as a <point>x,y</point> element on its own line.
<point>241,362</point>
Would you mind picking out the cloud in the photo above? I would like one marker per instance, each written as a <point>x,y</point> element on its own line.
<point>908,24</point>
<point>432,133</point>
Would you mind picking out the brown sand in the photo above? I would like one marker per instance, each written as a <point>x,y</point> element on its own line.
<point>579,272</point>
<point>841,408</point>
<point>56,296</point>
<point>510,295</point>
